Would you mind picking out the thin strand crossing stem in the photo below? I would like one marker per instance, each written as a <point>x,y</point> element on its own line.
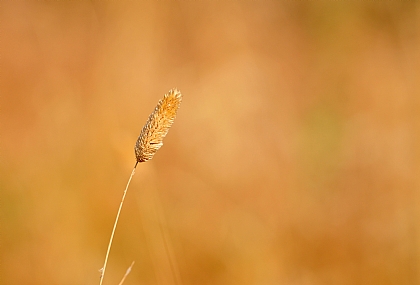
<point>115,225</point>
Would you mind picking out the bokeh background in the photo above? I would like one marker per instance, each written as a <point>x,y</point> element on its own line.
<point>294,159</point>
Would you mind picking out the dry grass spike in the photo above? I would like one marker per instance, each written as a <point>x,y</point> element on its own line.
<point>148,143</point>
<point>157,126</point>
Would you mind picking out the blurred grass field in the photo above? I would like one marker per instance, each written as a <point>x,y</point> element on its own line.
<point>294,159</point>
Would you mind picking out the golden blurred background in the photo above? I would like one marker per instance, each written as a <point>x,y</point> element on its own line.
<point>294,159</point>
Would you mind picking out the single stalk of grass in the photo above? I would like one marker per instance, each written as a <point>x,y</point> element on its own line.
<point>126,273</point>
<point>148,143</point>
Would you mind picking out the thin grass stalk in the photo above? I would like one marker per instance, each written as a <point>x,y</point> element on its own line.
<point>115,225</point>
<point>126,273</point>
<point>148,143</point>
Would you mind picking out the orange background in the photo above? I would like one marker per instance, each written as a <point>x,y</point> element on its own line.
<point>294,158</point>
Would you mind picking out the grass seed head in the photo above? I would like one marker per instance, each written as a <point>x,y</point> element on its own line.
<point>157,126</point>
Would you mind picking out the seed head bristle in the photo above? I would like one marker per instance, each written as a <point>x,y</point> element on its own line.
<point>157,126</point>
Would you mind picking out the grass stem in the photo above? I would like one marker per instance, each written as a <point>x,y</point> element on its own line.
<point>115,226</point>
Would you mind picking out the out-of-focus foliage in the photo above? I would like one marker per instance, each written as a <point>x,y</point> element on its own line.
<point>293,160</point>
